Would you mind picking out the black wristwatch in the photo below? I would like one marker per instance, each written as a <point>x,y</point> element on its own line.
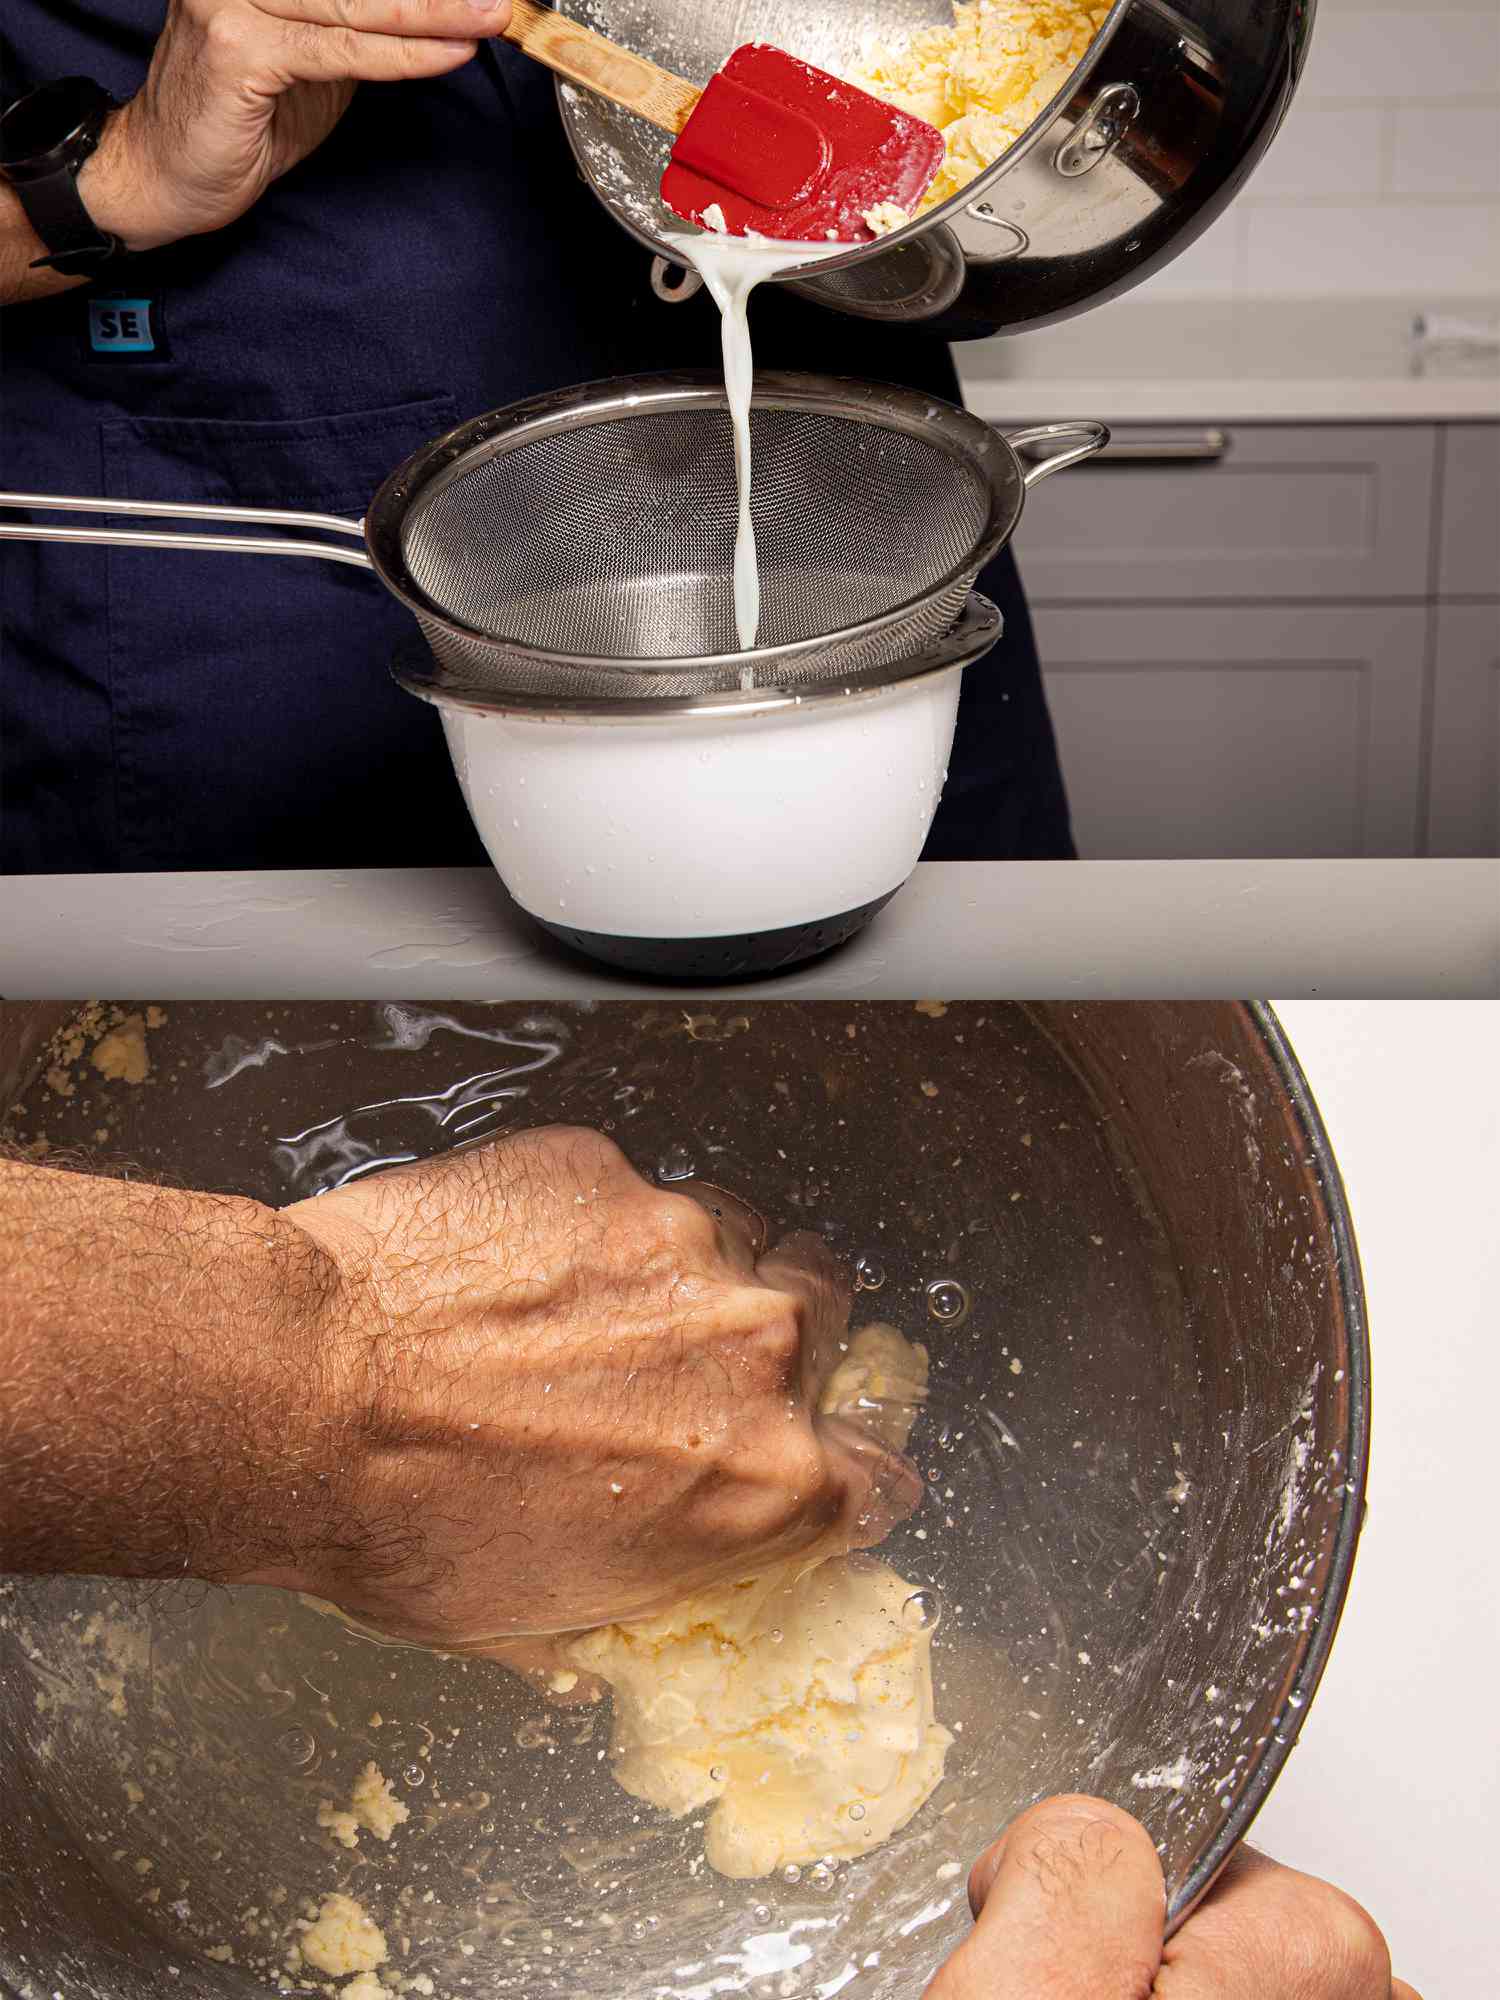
<point>45,138</point>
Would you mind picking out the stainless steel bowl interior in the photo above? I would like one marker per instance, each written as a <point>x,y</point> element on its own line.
<point>1121,1233</point>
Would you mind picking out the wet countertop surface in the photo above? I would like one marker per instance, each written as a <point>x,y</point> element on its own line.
<point>1246,361</point>
<point>959,930</point>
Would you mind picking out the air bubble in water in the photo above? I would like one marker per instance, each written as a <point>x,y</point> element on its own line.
<point>791,1874</point>
<point>775,1635</point>
<point>761,1914</point>
<point>413,1775</point>
<point>297,1746</point>
<point>856,1811</point>
<point>676,1164</point>
<point>947,1301</point>
<point>869,1274</point>
<point>717,1773</point>
<point>820,1876</point>
<point>533,1735</point>
<point>922,1610</point>
<point>638,1930</point>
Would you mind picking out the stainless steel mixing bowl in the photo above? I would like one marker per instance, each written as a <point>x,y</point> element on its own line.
<point>1147,143</point>
<point>1121,1233</point>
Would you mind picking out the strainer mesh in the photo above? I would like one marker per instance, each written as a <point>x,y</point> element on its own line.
<point>614,539</point>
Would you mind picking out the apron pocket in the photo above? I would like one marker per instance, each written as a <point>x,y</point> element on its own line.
<point>255,721</point>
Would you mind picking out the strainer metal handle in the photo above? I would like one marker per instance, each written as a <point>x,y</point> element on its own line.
<point>1087,438</point>
<point>158,538</point>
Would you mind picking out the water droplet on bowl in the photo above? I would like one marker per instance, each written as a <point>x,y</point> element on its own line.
<point>947,1301</point>
<point>413,1775</point>
<point>869,1274</point>
<point>676,1164</point>
<point>297,1746</point>
<point>922,1610</point>
<point>717,1773</point>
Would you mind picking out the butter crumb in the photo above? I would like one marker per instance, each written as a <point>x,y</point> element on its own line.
<point>120,1056</point>
<point>983,79</point>
<point>885,216</point>
<point>372,1805</point>
<point>343,1938</point>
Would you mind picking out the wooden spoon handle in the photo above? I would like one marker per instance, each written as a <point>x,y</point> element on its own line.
<point>584,57</point>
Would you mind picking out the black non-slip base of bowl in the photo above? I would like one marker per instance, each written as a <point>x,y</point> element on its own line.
<point>742,955</point>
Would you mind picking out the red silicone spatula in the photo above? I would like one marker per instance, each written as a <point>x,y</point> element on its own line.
<point>793,152</point>
<point>774,144</point>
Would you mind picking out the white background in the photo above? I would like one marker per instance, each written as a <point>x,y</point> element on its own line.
<point>1394,1792</point>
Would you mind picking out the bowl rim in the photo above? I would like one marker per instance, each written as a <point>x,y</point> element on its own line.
<point>1320,1160</point>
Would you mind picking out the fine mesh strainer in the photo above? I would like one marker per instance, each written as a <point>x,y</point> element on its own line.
<point>576,550</point>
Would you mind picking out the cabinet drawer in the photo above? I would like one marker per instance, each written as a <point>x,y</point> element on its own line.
<point>1197,733</point>
<point>1269,511</point>
<point>1463,814</point>
<point>1469,547</point>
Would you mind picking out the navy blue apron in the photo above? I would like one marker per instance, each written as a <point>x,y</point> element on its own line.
<point>196,711</point>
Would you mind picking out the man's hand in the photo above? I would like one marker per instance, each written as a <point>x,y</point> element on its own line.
<point>239,91</point>
<point>503,1393</point>
<point>1069,1906</point>
<point>578,1395</point>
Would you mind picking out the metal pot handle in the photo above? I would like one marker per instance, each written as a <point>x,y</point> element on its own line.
<point>182,510</point>
<point>1087,439</point>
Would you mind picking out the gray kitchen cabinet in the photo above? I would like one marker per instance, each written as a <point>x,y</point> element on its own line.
<point>1469,543</point>
<point>1247,730</point>
<point>1463,806</point>
<point>1284,511</point>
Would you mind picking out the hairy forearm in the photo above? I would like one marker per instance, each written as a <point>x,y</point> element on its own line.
<point>171,1384</point>
<point>19,247</point>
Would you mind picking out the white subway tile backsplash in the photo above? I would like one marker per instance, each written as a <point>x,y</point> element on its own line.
<point>1375,249</point>
<point>1330,149</point>
<point>1410,52</point>
<point>1446,149</point>
<point>1385,178</point>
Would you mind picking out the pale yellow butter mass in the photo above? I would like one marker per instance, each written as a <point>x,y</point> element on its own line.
<point>796,1705</point>
<point>982,80</point>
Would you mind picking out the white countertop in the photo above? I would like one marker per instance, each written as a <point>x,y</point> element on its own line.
<point>1212,361</point>
<point>1394,1791</point>
<point>971,929</point>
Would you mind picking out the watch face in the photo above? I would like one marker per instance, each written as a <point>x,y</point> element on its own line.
<point>45,121</point>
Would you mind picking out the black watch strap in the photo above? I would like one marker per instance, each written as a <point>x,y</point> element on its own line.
<point>56,212</point>
<point>46,182</point>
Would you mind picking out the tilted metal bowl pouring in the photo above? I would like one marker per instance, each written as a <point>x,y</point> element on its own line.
<point>1145,145</point>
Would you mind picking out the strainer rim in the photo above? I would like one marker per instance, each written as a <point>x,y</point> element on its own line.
<point>978,444</point>
<point>974,632</point>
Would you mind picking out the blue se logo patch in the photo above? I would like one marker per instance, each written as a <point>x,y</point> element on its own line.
<point>124,329</point>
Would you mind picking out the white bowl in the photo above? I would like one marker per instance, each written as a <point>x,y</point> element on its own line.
<point>716,837</point>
